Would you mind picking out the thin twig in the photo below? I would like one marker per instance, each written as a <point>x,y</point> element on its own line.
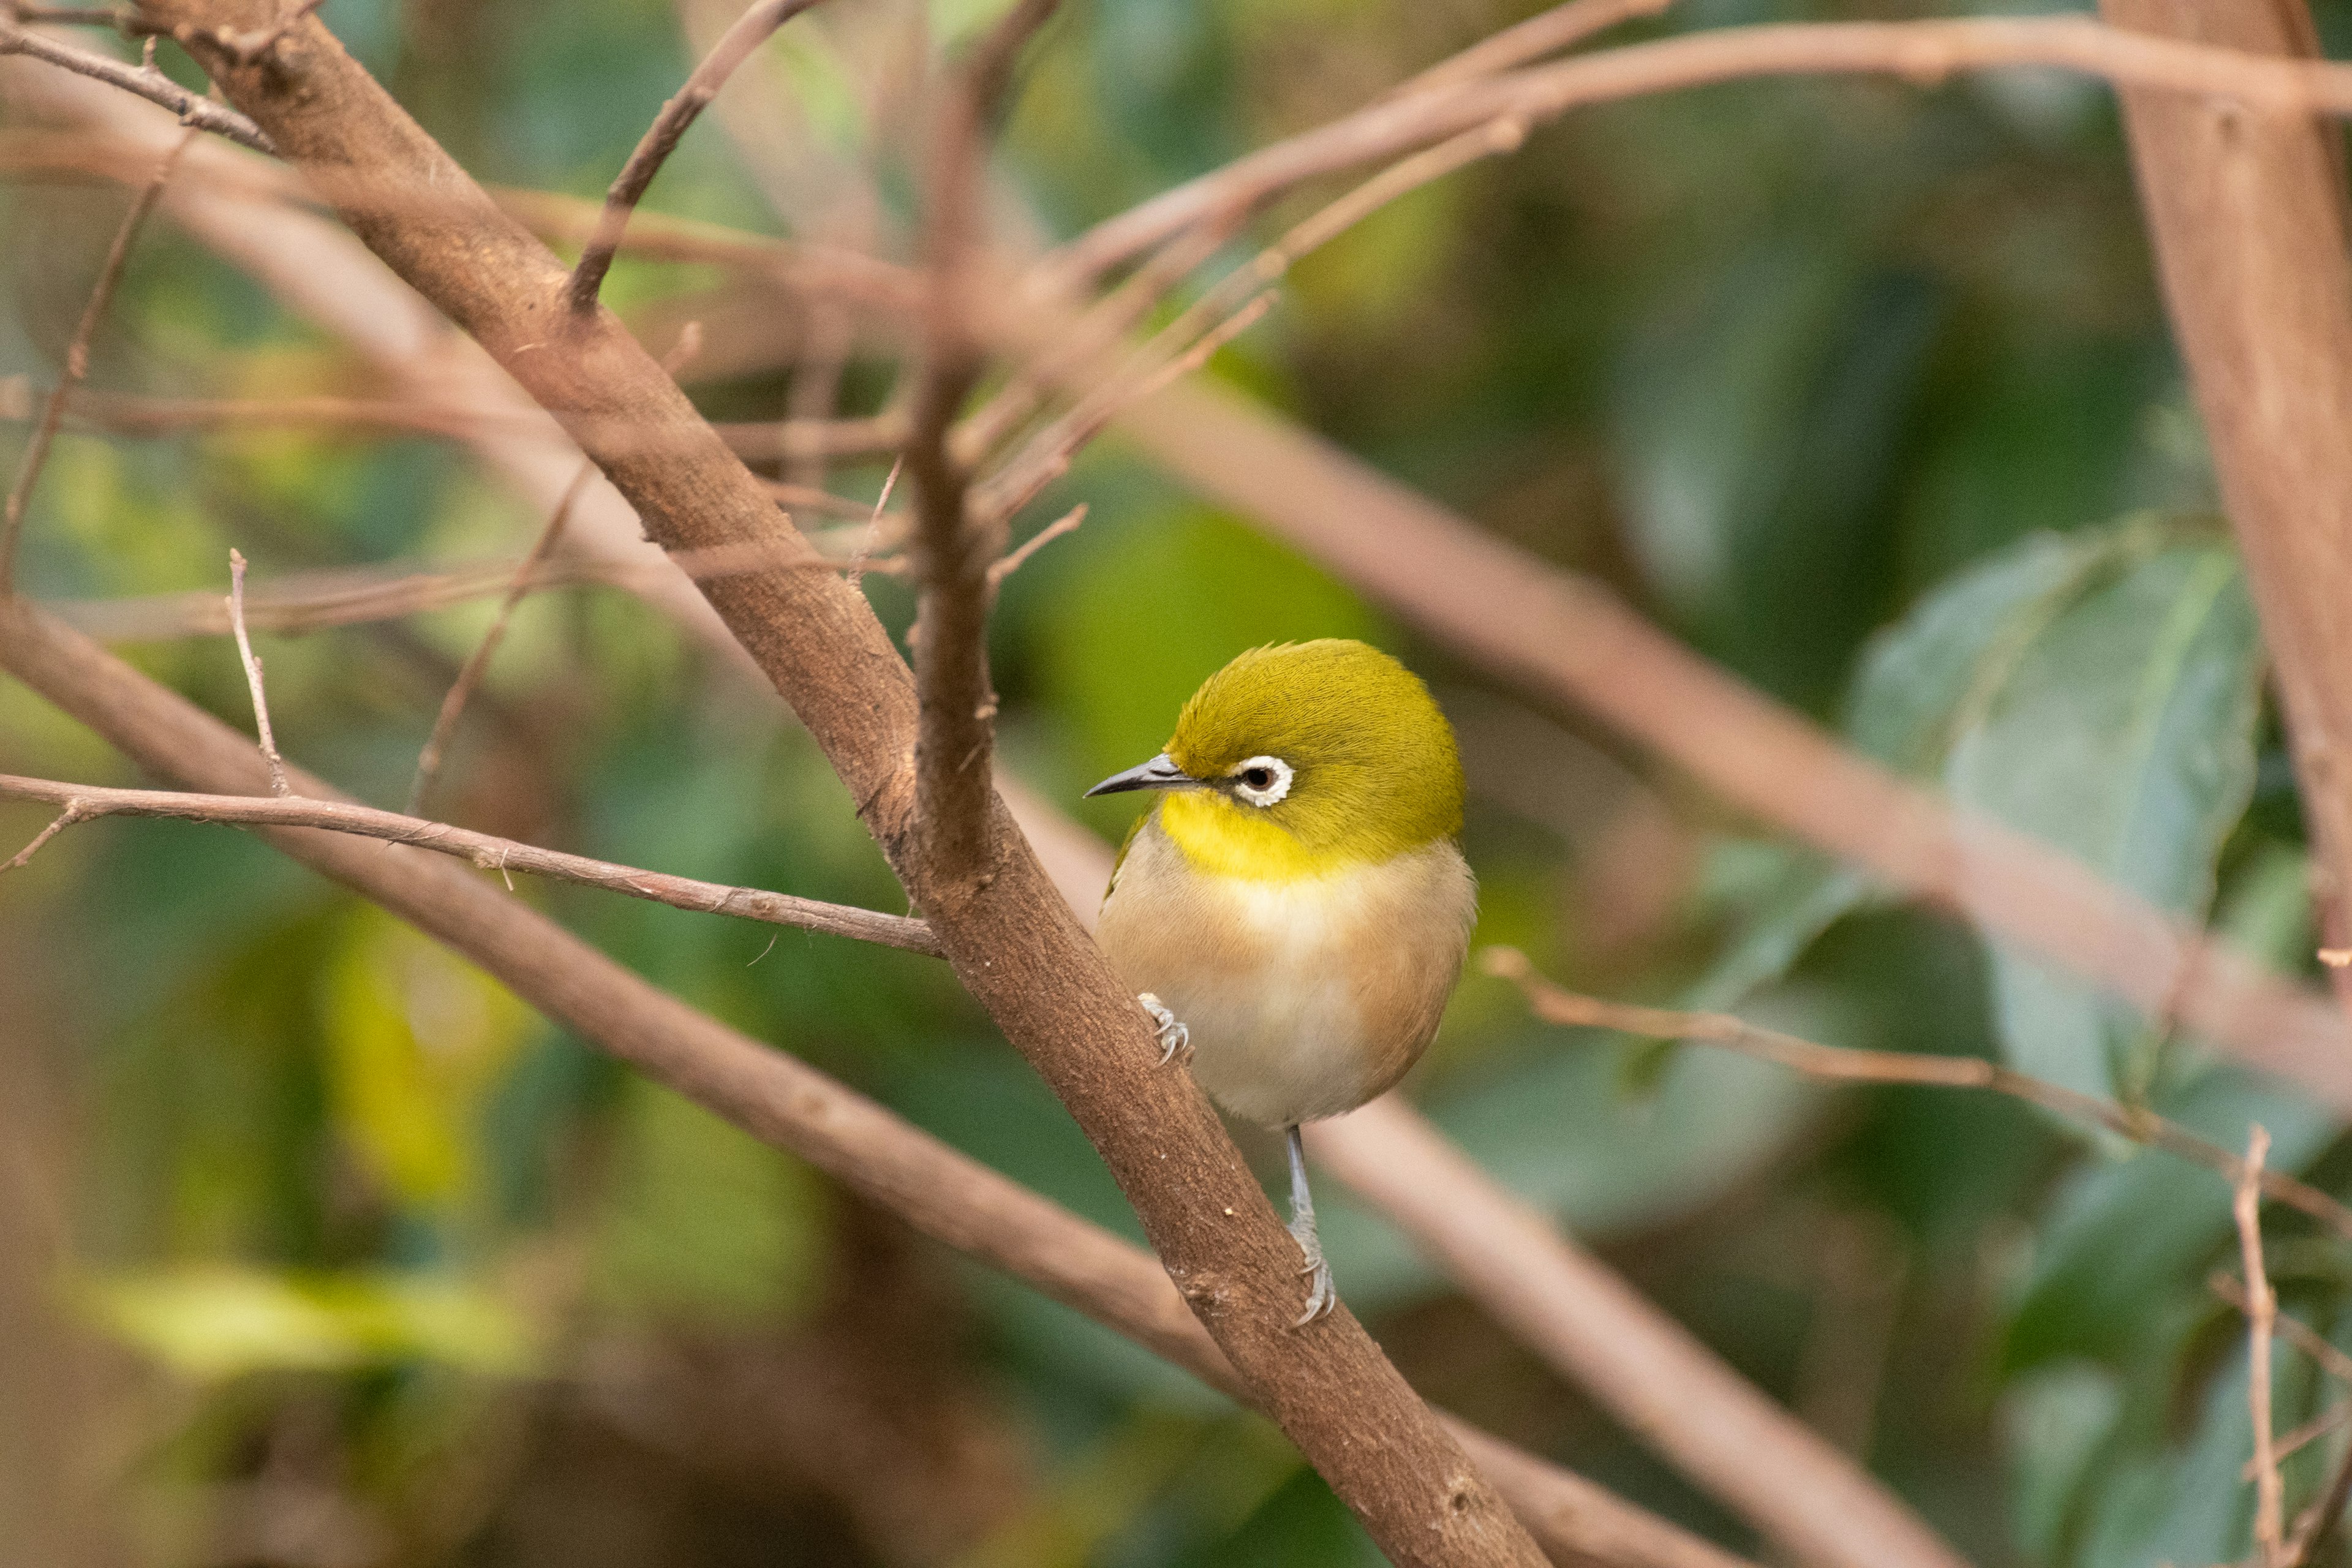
<point>195,111</point>
<point>1048,453</point>
<point>1846,1065</point>
<point>252,662</point>
<point>2288,1327</point>
<point>734,47</point>
<point>469,675</point>
<point>72,814</point>
<point>2261,1312</point>
<point>872,536</point>
<point>1545,33</point>
<point>1066,524</point>
<point>2334,1418</point>
<point>84,802</point>
<point>77,365</point>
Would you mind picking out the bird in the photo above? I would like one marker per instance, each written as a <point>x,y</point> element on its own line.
<point>1293,909</point>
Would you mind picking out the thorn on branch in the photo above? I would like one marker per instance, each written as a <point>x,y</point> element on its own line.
<point>661,139</point>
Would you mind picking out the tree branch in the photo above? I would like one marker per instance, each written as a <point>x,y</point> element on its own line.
<point>771,1095</point>
<point>661,139</point>
<point>87,803</point>
<point>1011,942</point>
<point>194,110</point>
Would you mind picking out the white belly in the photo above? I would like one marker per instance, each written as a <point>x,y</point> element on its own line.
<point>1303,998</point>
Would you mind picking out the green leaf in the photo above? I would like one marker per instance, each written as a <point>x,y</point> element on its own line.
<point>218,1321</point>
<point>2124,734</point>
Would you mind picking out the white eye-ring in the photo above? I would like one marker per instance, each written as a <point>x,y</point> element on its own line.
<point>1262,780</point>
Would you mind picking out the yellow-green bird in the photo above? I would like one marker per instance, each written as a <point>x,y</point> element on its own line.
<point>1294,910</point>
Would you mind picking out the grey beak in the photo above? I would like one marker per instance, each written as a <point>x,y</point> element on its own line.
<point>1157,773</point>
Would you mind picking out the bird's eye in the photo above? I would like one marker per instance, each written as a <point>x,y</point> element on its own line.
<point>1261,781</point>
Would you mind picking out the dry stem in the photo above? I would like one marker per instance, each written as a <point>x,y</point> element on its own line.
<point>252,663</point>
<point>2261,1312</point>
<point>145,82</point>
<point>662,137</point>
<point>86,803</point>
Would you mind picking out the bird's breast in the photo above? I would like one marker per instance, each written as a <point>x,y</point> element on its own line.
<point>1304,997</point>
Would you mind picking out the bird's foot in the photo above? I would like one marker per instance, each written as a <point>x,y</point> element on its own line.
<point>1321,1296</point>
<point>1175,1039</point>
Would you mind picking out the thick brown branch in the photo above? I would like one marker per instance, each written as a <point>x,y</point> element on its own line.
<point>86,803</point>
<point>195,111</point>
<point>661,139</point>
<point>1011,940</point>
<point>769,1094</point>
<point>1843,1065</point>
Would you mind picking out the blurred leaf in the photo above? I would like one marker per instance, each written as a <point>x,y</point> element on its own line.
<point>707,1223</point>
<point>2125,735</point>
<point>2097,690</point>
<point>2124,1240</point>
<point>417,1039</point>
<point>219,1321</point>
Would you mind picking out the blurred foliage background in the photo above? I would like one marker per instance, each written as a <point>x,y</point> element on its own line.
<point>318,1249</point>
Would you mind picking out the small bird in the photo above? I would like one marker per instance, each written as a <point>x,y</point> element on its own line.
<point>1293,909</point>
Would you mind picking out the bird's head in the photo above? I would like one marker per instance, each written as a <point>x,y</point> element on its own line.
<point>1301,758</point>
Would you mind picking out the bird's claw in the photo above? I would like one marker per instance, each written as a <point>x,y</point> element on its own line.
<point>1321,1297</point>
<point>1175,1039</point>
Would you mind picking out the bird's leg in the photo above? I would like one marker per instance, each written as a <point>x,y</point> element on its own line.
<point>1320,1297</point>
<point>1175,1039</point>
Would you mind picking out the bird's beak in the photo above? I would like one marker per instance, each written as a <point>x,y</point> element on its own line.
<point>1157,773</point>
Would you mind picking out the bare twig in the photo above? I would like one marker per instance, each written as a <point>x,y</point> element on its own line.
<point>873,534</point>
<point>953,547</point>
<point>86,803</point>
<point>1545,33</point>
<point>1066,524</point>
<point>195,111</point>
<point>1922,51</point>
<point>2261,1312</point>
<point>453,702</point>
<point>2335,1418</point>
<point>2322,1349</point>
<point>750,31</point>
<point>77,365</point>
<point>1845,1065</point>
<point>252,662</point>
<point>73,813</point>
